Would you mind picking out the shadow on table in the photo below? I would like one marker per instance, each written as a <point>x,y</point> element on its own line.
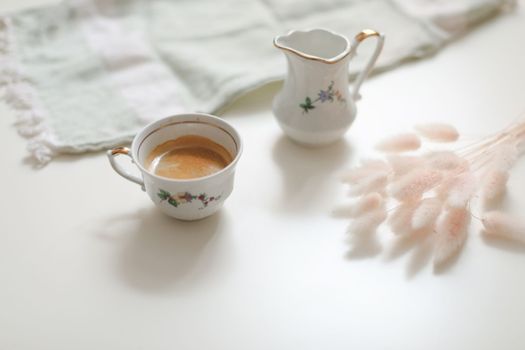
<point>159,251</point>
<point>417,245</point>
<point>308,172</point>
<point>503,243</point>
<point>362,246</point>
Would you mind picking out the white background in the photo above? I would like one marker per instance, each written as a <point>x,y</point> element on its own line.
<point>86,262</point>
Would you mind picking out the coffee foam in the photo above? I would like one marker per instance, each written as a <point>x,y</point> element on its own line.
<point>188,157</point>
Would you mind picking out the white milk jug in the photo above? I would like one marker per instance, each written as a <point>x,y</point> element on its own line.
<point>315,106</point>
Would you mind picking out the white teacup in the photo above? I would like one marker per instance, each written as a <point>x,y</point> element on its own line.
<point>185,199</point>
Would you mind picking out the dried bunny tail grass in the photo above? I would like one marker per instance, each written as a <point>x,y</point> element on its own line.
<point>496,175</point>
<point>443,189</point>
<point>504,156</point>
<point>497,223</point>
<point>400,221</point>
<point>438,132</point>
<point>494,184</point>
<point>364,204</point>
<point>411,186</point>
<point>367,168</point>
<point>520,147</point>
<point>400,143</point>
<point>445,160</point>
<point>375,164</point>
<point>372,183</point>
<point>450,178</point>
<point>426,213</point>
<point>402,164</point>
<point>369,222</point>
<point>368,203</point>
<point>462,190</point>
<point>451,233</point>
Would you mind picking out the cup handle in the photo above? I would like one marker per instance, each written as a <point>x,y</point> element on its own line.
<point>365,34</point>
<point>112,154</point>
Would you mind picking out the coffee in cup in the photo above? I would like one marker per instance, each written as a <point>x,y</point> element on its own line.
<point>188,157</point>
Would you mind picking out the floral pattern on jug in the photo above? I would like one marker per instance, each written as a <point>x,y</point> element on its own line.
<point>323,96</point>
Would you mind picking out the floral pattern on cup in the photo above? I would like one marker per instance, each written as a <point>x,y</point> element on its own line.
<point>328,95</point>
<point>185,197</point>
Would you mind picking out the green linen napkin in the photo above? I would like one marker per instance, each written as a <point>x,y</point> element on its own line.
<point>88,74</point>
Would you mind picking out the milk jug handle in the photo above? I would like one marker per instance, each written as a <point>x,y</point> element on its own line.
<point>365,34</point>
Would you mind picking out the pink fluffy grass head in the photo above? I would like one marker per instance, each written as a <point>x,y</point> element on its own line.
<point>415,191</point>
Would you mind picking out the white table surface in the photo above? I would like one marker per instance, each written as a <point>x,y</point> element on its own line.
<point>86,262</point>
